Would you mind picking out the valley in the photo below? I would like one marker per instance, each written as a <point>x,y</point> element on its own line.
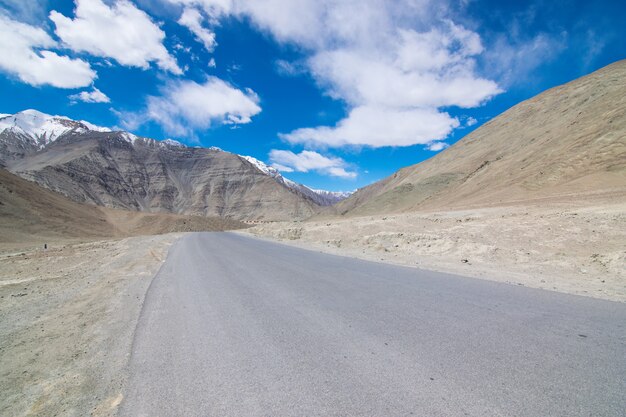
<point>535,198</point>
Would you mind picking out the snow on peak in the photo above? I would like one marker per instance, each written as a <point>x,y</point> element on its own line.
<point>43,128</point>
<point>95,128</point>
<point>263,167</point>
<point>172,142</point>
<point>34,113</point>
<point>338,195</point>
<point>321,197</point>
<point>129,137</point>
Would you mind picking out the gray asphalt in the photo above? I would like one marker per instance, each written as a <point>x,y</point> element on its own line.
<point>235,326</point>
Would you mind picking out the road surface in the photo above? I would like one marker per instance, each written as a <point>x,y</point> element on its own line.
<point>236,326</point>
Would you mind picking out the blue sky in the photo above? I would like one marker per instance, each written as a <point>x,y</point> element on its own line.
<point>335,94</point>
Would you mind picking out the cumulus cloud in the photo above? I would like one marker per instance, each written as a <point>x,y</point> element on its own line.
<point>357,78</point>
<point>186,106</point>
<point>192,20</point>
<point>470,121</point>
<point>306,161</point>
<point>120,31</point>
<point>25,53</point>
<point>379,126</point>
<point>402,73</point>
<point>93,96</point>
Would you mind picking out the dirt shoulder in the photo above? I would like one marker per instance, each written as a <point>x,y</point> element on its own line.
<point>67,320</point>
<point>559,247</point>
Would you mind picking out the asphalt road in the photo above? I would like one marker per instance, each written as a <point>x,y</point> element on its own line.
<point>235,326</point>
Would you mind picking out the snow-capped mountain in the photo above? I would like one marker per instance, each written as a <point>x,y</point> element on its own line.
<point>118,169</point>
<point>321,197</point>
<point>172,142</point>
<point>332,196</point>
<point>42,129</point>
<point>261,166</point>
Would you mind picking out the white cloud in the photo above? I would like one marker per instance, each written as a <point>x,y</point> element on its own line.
<point>360,78</point>
<point>378,127</point>
<point>306,161</point>
<point>180,47</point>
<point>192,19</point>
<point>470,121</point>
<point>398,63</point>
<point>187,105</point>
<point>282,168</point>
<point>93,96</point>
<point>31,11</point>
<point>212,63</point>
<point>289,69</point>
<point>436,146</point>
<point>23,54</point>
<point>120,31</point>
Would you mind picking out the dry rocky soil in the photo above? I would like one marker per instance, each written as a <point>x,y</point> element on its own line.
<point>562,246</point>
<point>67,320</point>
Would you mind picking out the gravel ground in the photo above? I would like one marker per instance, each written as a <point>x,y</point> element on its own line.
<point>559,247</point>
<point>67,320</point>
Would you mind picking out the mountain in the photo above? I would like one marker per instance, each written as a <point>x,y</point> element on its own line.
<point>568,141</point>
<point>323,197</point>
<point>30,130</point>
<point>96,165</point>
<point>320,197</point>
<point>29,213</point>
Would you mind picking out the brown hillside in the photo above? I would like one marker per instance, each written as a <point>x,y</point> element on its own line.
<point>30,213</point>
<point>568,141</point>
<point>104,169</point>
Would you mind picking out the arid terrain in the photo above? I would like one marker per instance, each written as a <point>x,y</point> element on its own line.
<point>68,312</point>
<point>67,320</point>
<point>536,197</point>
<point>561,246</point>
<point>31,216</point>
<point>563,144</point>
<point>116,169</point>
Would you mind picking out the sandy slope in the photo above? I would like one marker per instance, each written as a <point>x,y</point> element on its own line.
<point>568,140</point>
<point>569,247</point>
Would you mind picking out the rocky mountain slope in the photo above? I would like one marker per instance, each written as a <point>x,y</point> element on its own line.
<point>568,141</point>
<point>116,169</point>
<point>321,197</point>
<point>29,213</point>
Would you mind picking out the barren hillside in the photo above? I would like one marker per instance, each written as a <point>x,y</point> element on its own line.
<point>535,197</point>
<point>117,169</point>
<point>31,214</point>
<point>568,141</point>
